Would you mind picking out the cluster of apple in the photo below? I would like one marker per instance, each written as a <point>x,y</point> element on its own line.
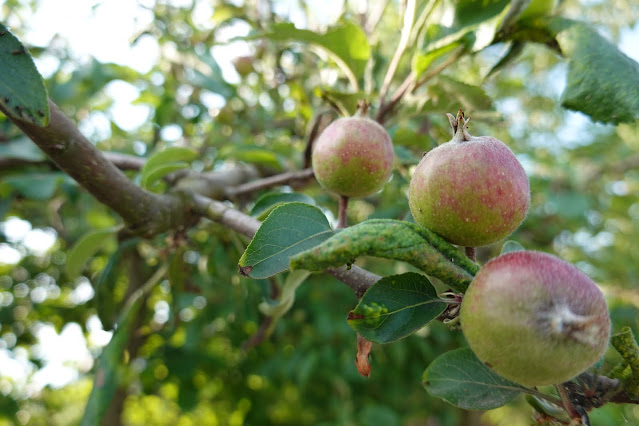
<point>530,316</point>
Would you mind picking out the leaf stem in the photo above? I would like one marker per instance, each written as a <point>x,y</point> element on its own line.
<point>470,253</point>
<point>342,219</point>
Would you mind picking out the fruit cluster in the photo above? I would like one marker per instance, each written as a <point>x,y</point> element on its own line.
<point>531,317</point>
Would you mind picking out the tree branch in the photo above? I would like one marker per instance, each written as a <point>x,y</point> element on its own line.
<point>358,279</point>
<point>144,212</point>
<point>281,179</point>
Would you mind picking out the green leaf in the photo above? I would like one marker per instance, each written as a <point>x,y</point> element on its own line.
<point>153,174</point>
<point>346,44</point>
<point>22,92</point>
<point>106,372</point>
<point>602,81</point>
<point>36,186</point>
<point>169,155</point>
<point>106,305</point>
<point>290,229</point>
<point>212,79</point>
<point>161,163</point>
<point>284,302</point>
<point>346,102</point>
<point>474,26</point>
<point>469,13</point>
<point>251,154</point>
<point>86,247</point>
<point>267,202</point>
<point>447,94</point>
<point>21,149</point>
<point>463,380</point>
<point>510,246</point>
<point>395,307</point>
<point>391,239</point>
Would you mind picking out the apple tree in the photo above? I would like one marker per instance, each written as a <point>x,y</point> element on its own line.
<point>288,237</point>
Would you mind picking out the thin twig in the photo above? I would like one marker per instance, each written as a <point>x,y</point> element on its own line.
<point>434,72</point>
<point>409,17</point>
<point>276,180</point>
<point>311,135</point>
<point>567,403</point>
<point>358,279</point>
<point>387,107</point>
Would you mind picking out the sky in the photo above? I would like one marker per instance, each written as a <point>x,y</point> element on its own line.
<point>104,30</point>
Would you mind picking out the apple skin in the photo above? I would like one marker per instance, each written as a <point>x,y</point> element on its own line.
<point>470,192</point>
<point>534,318</point>
<point>353,157</point>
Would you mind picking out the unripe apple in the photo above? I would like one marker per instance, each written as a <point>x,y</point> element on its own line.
<point>472,191</point>
<point>243,65</point>
<point>534,318</point>
<point>353,156</point>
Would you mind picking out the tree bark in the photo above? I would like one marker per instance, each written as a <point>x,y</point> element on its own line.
<point>144,212</point>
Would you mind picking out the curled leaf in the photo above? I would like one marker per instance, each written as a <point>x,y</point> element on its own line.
<point>392,239</point>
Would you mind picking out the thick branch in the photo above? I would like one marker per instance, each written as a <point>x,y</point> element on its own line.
<point>144,212</point>
<point>356,278</point>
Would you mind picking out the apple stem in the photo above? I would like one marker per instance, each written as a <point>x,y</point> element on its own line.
<point>567,403</point>
<point>341,213</point>
<point>460,127</point>
<point>362,108</point>
<point>470,253</point>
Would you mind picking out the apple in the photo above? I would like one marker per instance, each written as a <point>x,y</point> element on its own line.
<point>472,191</point>
<point>534,318</point>
<point>353,157</point>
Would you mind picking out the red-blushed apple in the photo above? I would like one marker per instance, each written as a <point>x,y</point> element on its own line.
<point>472,191</point>
<point>353,157</point>
<point>534,318</point>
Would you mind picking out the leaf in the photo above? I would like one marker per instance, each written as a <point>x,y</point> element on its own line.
<point>447,94</point>
<point>161,163</point>
<point>510,246</point>
<point>106,305</point>
<point>395,307</point>
<point>86,247</point>
<point>209,75</point>
<point>391,239</point>
<point>267,202</point>
<point>516,48</point>
<point>463,380</point>
<point>474,26</point>
<point>361,359</point>
<point>21,149</point>
<point>284,302</point>
<point>106,372</point>
<point>153,174</point>
<point>22,92</point>
<point>290,229</point>
<point>346,44</point>
<point>601,81</point>
<point>169,155</point>
<point>469,13</point>
<point>251,154</point>
<point>36,186</point>
<point>345,102</point>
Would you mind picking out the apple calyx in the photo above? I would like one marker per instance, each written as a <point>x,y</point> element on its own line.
<point>459,125</point>
<point>562,322</point>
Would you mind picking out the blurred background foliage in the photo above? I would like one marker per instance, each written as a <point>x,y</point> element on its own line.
<point>238,101</point>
